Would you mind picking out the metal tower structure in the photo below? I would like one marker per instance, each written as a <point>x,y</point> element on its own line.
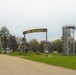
<point>68,40</point>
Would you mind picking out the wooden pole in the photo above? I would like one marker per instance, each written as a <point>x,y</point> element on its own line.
<point>46,36</point>
<point>24,43</point>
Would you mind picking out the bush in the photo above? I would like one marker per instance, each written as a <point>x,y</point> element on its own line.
<point>38,53</point>
<point>0,50</point>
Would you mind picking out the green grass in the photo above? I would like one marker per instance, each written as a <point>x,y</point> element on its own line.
<point>58,60</point>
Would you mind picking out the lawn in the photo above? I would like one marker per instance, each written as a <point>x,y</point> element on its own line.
<point>52,59</point>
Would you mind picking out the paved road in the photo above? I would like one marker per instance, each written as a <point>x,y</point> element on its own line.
<point>16,66</point>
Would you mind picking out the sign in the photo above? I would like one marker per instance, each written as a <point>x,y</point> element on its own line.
<point>46,51</point>
<point>35,30</point>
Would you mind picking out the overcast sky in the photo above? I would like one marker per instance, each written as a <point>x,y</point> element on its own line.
<point>21,15</point>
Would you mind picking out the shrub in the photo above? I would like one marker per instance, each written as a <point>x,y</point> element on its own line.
<point>0,50</point>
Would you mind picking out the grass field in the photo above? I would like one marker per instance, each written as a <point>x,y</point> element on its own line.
<point>52,59</point>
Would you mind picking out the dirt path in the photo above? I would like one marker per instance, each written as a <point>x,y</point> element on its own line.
<point>16,66</point>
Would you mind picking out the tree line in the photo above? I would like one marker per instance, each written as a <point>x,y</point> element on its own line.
<point>52,46</point>
<point>56,45</point>
<point>8,40</point>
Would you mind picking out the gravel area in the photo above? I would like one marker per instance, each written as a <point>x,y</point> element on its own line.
<point>10,65</point>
